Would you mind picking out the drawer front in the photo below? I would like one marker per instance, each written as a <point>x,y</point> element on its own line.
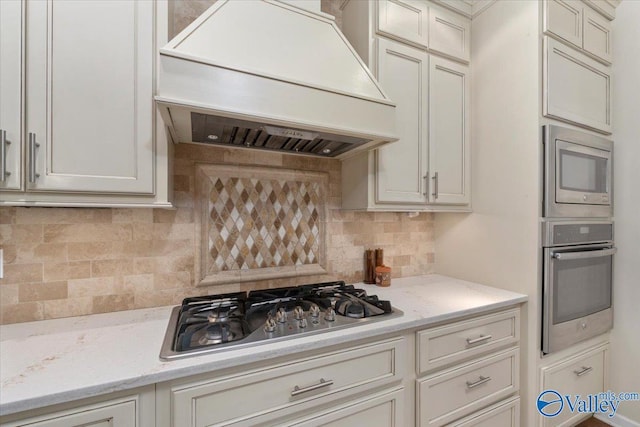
<point>451,344</point>
<point>563,18</point>
<point>581,375</point>
<point>381,410</point>
<point>405,20</point>
<point>121,414</point>
<point>503,414</point>
<point>449,34</point>
<point>597,35</point>
<point>453,394</point>
<point>283,389</point>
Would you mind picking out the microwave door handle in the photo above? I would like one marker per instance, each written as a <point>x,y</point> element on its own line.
<point>568,256</point>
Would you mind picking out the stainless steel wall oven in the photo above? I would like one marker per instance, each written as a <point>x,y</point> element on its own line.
<point>577,281</point>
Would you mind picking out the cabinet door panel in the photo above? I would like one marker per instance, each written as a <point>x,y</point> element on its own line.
<point>401,166</point>
<point>10,93</point>
<point>563,18</point>
<point>89,101</point>
<point>407,20</point>
<point>449,133</point>
<point>120,415</point>
<point>576,88</point>
<point>597,35</point>
<point>449,34</point>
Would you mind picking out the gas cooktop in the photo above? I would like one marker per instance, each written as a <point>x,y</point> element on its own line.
<point>230,321</point>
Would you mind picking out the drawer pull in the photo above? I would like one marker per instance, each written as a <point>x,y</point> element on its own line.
<point>584,370</point>
<point>482,380</point>
<point>323,383</point>
<point>481,338</point>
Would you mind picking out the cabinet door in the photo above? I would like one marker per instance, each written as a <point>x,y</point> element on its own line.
<point>406,20</point>
<point>597,35</point>
<point>563,18</point>
<point>10,94</point>
<point>449,132</point>
<point>382,410</point>
<point>449,34</point>
<point>117,415</point>
<point>576,88</point>
<point>89,104</point>
<point>401,166</point>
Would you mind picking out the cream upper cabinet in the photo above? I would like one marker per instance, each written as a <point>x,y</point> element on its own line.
<point>449,132</point>
<point>405,20</point>
<point>11,25</point>
<point>402,166</point>
<point>428,168</point>
<point>575,23</point>
<point>90,132</point>
<point>576,88</point>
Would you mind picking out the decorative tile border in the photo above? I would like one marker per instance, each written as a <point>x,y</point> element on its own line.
<point>259,223</point>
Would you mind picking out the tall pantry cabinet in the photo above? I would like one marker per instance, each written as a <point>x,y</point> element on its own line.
<point>77,114</point>
<point>419,52</point>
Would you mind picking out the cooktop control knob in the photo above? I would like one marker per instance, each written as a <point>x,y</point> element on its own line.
<point>314,311</point>
<point>330,315</point>
<point>298,312</point>
<point>270,324</point>
<point>302,323</point>
<point>281,315</point>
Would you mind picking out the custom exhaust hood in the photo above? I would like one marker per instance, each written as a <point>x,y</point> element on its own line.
<point>269,75</point>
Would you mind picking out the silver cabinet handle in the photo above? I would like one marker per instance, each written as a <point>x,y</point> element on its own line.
<point>435,186</point>
<point>323,383</point>
<point>426,184</point>
<point>567,256</point>
<point>3,155</point>
<point>33,145</point>
<point>481,380</point>
<point>481,338</point>
<point>584,370</point>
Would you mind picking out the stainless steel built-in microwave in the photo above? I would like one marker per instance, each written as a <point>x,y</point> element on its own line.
<point>577,174</point>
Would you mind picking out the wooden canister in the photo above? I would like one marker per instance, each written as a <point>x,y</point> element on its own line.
<point>383,275</point>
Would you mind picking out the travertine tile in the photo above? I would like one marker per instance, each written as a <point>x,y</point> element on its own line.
<point>54,271</point>
<point>172,280</point>
<point>62,216</point>
<point>111,267</point>
<point>109,303</point>
<point>95,286</point>
<point>176,216</point>
<point>7,215</point>
<point>40,252</point>
<point>22,273</point>
<point>22,233</point>
<point>138,283</point>
<point>181,183</point>
<point>132,215</point>
<point>9,294</point>
<point>54,309</point>
<point>87,232</point>
<point>24,312</point>
<point>78,251</point>
<point>42,291</point>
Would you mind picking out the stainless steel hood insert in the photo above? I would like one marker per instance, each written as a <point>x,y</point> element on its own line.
<point>254,64</point>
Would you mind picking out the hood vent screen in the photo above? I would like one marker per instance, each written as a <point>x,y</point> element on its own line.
<point>224,131</point>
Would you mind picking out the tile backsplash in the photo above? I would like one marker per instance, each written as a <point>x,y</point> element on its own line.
<point>63,262</point>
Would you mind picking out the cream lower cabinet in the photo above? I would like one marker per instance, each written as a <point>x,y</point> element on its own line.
<point>334,387</point>
<point>134,408</point>
<point>582,374</point>
<point>468,372</point>
<point>428,168</point>
<point>84,83</point>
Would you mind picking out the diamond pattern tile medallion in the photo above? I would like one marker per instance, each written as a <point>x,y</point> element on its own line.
<point>260,223</point>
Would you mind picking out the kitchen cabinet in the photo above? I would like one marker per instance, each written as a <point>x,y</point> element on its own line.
<point>580,374</point>
<point>90,132</point>
<point>575,23</point>
<point>576,88</point>
<point>486,351</point>
<point>428,168</point>
<point>282,392</point>
<point>134,408</point>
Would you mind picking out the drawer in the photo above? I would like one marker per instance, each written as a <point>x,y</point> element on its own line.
<point>580,375</point>
<point>451,344</point>
<point>404,20</point>
<point>282,390</point>
<point>445,397</point>
<point>503,414</point>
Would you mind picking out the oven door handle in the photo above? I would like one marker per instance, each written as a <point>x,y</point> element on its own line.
<point>562,256</point>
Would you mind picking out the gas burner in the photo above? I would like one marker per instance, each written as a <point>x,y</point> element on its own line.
<point>216,333</point>
<point>215,322</point>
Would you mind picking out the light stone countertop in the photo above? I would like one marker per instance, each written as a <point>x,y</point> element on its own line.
<point>54,361</point>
